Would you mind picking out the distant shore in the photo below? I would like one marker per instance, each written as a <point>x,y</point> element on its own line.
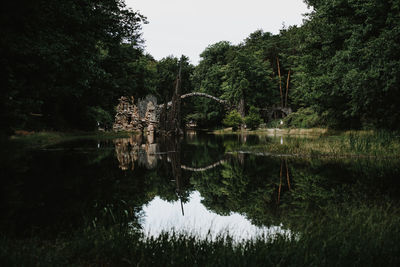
<point>47,138</point>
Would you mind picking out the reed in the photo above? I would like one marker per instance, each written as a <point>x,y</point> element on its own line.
<point>345,144</point>
<point>347,235</point>
<point>45,139</point>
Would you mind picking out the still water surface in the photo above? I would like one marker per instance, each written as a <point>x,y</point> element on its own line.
<point>192,184</point>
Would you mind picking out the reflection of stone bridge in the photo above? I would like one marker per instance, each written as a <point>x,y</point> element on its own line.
<point>134,150</point>
<point>202,169</point>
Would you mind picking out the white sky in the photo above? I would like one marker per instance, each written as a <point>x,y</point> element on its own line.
<point>187,27</point>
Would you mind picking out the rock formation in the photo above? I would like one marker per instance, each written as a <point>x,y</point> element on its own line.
<point>130,117</point>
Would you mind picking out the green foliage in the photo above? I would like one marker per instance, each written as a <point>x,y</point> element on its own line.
<point>233,119</point>
<point>253,120</point>
<point>207,78</point>
<point>61,57</point>
<point>302,118</point>
<point>319,142</point>
<point>364,236</point>
<point>248,77</point>
<point>98,117</point>
<point>234,73</point>
<point>167,71</point>
<point>343,64</point>
<point>350,63</point>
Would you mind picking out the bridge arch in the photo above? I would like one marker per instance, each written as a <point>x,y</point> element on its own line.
<point>221,101</point>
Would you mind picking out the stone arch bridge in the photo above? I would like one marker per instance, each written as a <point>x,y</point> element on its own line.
<point>146,113</point>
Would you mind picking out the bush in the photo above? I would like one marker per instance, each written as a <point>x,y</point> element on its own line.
<point>98,117</point>
<point>302,118</point>
<point>233,119</point>
<point>253,120</point>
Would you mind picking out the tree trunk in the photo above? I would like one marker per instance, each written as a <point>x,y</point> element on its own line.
<point>174,115</point>
<point>241,108</point>
<point>287,88</point>
<point>280,81</point>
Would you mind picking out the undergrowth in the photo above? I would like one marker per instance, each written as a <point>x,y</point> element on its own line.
<point>346,235</point>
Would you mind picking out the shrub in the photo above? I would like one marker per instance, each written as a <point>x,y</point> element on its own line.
<point>98,117</point>
<point>253,120</point>
<point>233,119</point>
<point>303,118</point>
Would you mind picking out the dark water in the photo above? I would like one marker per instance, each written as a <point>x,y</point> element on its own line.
<point>190,184</point>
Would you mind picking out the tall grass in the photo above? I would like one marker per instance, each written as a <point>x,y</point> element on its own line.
<point>352,235</point>
<point>379,141</point>
<point>347,144</point>
<point>44,139</point>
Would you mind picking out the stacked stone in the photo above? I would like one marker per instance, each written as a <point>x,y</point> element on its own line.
<point>123,114</point>
<point>130,117</point>
<point>151,117</point>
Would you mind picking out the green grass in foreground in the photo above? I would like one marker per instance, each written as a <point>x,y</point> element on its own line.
<point>44,139</point>
<point>345,144</point>
<point>357,235</point>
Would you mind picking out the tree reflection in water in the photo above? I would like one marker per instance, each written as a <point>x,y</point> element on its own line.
<point>268,190</point>
<point>76,181</point>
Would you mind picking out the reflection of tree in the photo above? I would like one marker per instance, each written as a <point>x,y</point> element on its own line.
<point>271,191</point>
<point>71,188</point>
<point>174,155</point>
<point>130,150</point>
<point>284,167</point>
<point>242,185</point>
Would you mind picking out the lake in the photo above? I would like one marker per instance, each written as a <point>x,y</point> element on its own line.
<point>191,184</point>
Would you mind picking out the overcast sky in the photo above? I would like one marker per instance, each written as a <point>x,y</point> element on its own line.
<point>187,27</point>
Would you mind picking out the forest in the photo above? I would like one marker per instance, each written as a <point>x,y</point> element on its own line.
<point>317,185</point>
<point>65,64</point>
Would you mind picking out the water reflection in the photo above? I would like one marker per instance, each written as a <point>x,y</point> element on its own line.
<point>265,189</point>
<point>151,183</point>
<point>130,150</point>
<point>163,216</point>
<point>284,162</point>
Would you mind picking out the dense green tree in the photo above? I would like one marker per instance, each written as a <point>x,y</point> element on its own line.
<point>343,64</point>
<point>166,75</point>
<point>248,76</point>
<point>208,78</point>
<point>239,74</point>
<point>282,51</point>
<point>56,59</point>
<point>350,62</point>
<point>64,64</point>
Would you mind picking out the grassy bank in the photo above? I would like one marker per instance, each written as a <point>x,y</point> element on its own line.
<point>358,235</point>
<point>280,131</point>
<point>319,142</point>
<point>44,139</point>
